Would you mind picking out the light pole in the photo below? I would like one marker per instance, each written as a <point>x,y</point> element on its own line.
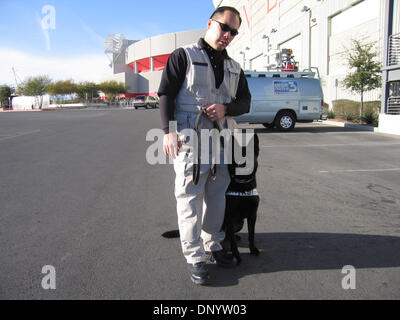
<point>308,35</point>
<point>244,59</point>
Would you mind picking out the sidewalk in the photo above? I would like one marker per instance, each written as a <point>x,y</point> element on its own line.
<point>72,106</point>
<point>341,123</point>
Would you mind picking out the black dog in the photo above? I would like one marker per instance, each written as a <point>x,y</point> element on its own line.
<point>242,202</point>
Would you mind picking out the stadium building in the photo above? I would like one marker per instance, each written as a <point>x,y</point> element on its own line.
<point>139,64</point>
<point>318,31</point>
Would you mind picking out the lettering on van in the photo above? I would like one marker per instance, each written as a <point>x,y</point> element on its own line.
<point>282,87</point>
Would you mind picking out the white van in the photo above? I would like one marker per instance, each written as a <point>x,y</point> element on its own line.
<point>280,99</point>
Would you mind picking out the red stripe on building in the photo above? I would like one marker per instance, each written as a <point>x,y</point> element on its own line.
<point>271,6</point>
<point>132,65</point>
<point>133,95</point>
<point>159,62</point>
<point>143,65</point>
<point>247,18</point>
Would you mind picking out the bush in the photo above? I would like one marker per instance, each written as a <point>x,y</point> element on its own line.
<point>342,107</point>
<point>350,110</point>
<point>372,106</point>
<point>331,114</point>
<point>370,117</point>
<point>349,116</point>
<point>5,106</point>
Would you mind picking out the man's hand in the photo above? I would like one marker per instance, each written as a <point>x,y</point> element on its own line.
<point>215,112</point>
<point>171,144</point>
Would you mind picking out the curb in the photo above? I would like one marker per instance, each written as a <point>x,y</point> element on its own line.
<point>10,111</point>
<point>351,126</point>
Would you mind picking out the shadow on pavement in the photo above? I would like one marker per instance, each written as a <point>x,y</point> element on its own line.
<point>310,251</point>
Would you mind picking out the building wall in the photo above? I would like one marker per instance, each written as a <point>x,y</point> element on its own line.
<point>396,17</point>
<point>389,118</point>
<point>29,103</point>
<point>318,37</point>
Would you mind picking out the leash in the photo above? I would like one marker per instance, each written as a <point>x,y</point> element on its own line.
<point>197,150</point>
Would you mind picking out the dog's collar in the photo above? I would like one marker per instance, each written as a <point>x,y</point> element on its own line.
<point>253,192</point>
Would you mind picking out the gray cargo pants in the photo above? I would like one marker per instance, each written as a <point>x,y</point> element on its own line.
<point>201,207</point>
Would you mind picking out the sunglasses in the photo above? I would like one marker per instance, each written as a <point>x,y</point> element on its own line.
<point>226,28</point>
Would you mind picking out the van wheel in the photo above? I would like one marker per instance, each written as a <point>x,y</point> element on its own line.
<point>285,121</point>
<point>269,125</point>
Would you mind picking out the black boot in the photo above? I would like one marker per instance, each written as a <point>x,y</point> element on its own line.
<point>199,273</point>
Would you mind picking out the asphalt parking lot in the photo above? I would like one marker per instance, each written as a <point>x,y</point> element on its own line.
<point>78,194</point>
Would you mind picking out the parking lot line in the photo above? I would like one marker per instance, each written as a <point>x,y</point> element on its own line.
<point>19,135</point>
<point>361,170</point>
<point>368,144</point>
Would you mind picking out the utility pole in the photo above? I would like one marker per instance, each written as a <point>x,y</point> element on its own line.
<point>15,77</point>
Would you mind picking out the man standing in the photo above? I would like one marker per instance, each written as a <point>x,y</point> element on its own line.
<point>200,77</point>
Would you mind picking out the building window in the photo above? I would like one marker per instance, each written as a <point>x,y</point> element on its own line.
<point>394,89</point>
<point>393,106</point>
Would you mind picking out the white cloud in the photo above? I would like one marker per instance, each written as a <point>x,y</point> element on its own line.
<point>80,68</point>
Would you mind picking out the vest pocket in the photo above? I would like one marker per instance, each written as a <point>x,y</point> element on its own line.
<point>200,74</point>
<point>233,82</point>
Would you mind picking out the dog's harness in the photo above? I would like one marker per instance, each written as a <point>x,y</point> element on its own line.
<point>250,193</point>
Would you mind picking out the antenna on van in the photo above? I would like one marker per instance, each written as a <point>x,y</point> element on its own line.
<point>287,62</point>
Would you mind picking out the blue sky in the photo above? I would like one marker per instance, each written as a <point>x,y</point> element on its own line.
<point>74,49</point>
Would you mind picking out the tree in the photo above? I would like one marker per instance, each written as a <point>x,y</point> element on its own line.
<point>112,89</point>
<point>366,73</point>
<point>36,87</point>
<point>87,89</point>
<point>61,87</point>
<point>5,94</point>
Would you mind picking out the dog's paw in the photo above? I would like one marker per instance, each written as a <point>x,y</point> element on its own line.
<point>254,251</point>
